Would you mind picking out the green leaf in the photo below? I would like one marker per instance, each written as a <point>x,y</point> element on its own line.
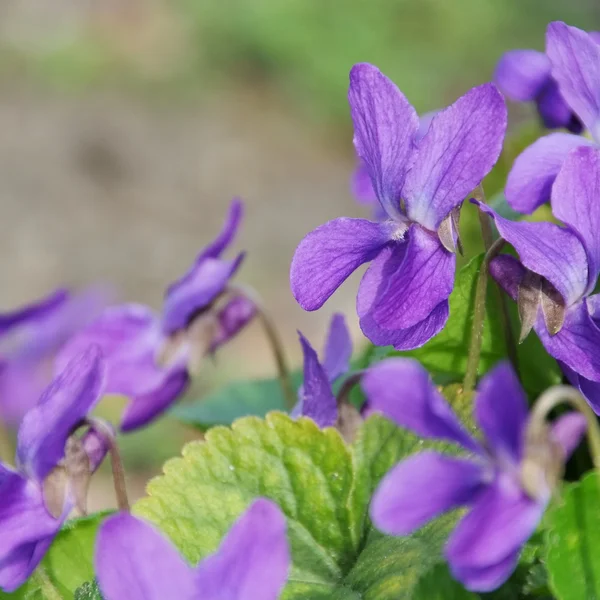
<point>437,584</point>
<point>68,564</point>
<point>238,399</point>
<point>88,591</point>
<point>573,541</point>
<point>322,485</point>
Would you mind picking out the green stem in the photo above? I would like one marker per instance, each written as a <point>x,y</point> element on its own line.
<point>487,233</point>
<point>556,395</point>
<point>479,318</point>
<point>7,454</point>
<point>275,342</point>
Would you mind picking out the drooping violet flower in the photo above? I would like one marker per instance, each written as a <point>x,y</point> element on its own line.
<point>361,185</point>
<point>135,561</point>
<point>316,398</point>
<point>150,357</point>
<point>33,502</point>
<point>575,60</point>
<point>30,338</point>
<point>558,270</point>
<point>526,76</point>
<point>403,297</point>
<point>504,483</point>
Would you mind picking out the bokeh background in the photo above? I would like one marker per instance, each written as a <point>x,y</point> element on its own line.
<point>126,126</point>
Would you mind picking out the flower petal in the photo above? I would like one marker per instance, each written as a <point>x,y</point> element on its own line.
<point>253,561</point>
<point>460,148</point>
<point>134,560</point>
<point>508,273</point>
<point>548,250</point>
<point>196,290</point>
<point>66,401</point>
<point>403,391</point>
<point>501,411</point>
<point>555,112</point>
<point>231,319</point>
<point>389,261</point>
<point>338,348</point>
<point>576,202</point>
<point>486,579</point>
<point>17,567</point>
<point>361,185</point>
<point>422,487</point>
<point>568,430</point>
<point>330,253</point>
<point>408,294</point>
<point>385,125</point>
<point>530,180</point>
<point>590,390</point>
<point>500,522</point>
<point>577,343</point>
<point>317,399</point>
<point>521,74</point>
<point>576,67</point>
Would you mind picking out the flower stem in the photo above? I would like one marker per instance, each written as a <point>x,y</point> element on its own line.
<point>478,318</point>
<point>115,461</point>
<point>558,394</point>
<point>275,342</point>
<point>487,233</point>
<point>49,591</point>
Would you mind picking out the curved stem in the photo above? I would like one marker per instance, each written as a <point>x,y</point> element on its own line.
<point>479,318</point>
<point>274,340</point>
<point>115,461</point>
<point>556,395</point>
<point>343,395</point>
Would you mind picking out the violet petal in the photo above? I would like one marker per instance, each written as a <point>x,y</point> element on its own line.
<point>330,253</point>
<point>67,400</point>
<point>508,272</point>
<point>575,61</point>
<point>423,280</point>
<point>231,319</point>
<point>548,250</point>
<point>384,127</point>
<point>317,399</point>
<point>134,560</point>
<point>460,148</point>
<point>253,560</point>
<point>521,74</point>
<point>422,487</point>
<point>576,202</point>
<point>530,180</point>
<point>403,391</point>
<point>568,431</point>
<point>501,412</point>
<point>338,348</point>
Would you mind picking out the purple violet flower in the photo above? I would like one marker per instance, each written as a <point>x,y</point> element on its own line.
<point>30,338</point>
<point>505,491</point>
<point>554,280</point>
<point>32,508</point>
<point>526,76</point>
<point>403,296</point>
<point>149,357</point>
<point>135,561</point>
<point>316,399</point>
<point>575,66</point>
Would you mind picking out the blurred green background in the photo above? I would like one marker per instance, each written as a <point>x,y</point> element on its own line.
<point>127,126</point>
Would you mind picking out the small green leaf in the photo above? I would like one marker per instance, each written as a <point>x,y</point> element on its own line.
<point>573,542</point>
<point>437,584</point>
<point>322,485</point>
<point>238,399</point>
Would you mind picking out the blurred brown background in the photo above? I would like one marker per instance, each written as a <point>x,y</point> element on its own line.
<point>126,126</point>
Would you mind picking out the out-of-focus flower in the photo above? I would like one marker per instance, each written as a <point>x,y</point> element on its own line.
<point>361,185</point>
<point>135,561</point>
<point>556,274</point>
<point>574,57</point>
<point>403,297</point>
<point>149,357</point>
<point>505,484</point>
<point>315,398</point>
<point>30,338</point>
<point>36,498</point>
